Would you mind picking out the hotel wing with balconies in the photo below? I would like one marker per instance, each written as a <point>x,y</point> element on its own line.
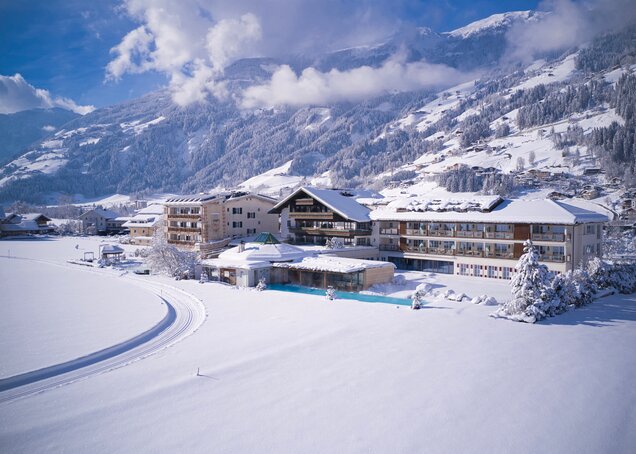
<point>486,239</point>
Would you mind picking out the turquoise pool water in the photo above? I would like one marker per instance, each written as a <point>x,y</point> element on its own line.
<point>340,295</point>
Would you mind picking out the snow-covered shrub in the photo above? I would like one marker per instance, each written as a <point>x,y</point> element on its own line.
<point>484,300</point>
<point>449,294</point>
<point>599,272</point>
<point>416,301</point>
<point>165,258</point>
<point>334,243</point>
<point>204,277</point>
<point>423,288</point>
<point>621,276</point>
<point>533,297</point>
<point>262,285</point>
<point>330,293</point>
<point>399,279</point>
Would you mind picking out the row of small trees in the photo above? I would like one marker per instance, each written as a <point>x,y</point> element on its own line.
<point>538,293</point>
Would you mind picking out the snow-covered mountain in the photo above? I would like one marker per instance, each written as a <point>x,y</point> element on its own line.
<point>21,129</point>
<point>543,114</point>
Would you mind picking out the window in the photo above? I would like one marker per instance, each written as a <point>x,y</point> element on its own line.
<point>492,271</point>
<point>251,215</point>
<point>463,269</point>
<point>590,229</point>
<point>507,272</point>
<point>477,271</point>
<point>589,249</point>
<point>237,224</point>
<point>238,210</point>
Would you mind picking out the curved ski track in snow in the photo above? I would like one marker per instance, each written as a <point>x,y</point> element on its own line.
<point>185,314</point>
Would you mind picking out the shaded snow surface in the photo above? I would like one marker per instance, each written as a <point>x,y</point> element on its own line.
<point>284,372</point>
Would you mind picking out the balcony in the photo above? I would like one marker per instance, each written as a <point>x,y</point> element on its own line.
<point>196,216</point>
<point>560,237</point>
<point>389,232</point>
<point>184,229</point>
<point>320,215</point>
<point>499,235</point>
<point>389,247</point>
<point>329,232</point>
<point>416,232</point>
<point>499,255</point>
<point>552,258</point>
<point>430,250</point>
<point>469,252</point>
<point>444,233</point>
<point>469,234</point>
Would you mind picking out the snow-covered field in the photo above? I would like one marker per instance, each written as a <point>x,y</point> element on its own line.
<point>59,314</point>
<point>282,372</point>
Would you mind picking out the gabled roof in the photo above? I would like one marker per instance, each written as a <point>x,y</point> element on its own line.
<point>509,211</point>
<point>347,207</point>
<point>106,214</point>
<point>35,217</point>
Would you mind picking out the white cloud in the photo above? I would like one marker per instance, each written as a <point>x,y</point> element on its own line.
<point>16,95</point>
<point>181,40</point>
<point>567,24</point>
<point>192,41</point>
<point>48,128</point>
<point>313,87</point>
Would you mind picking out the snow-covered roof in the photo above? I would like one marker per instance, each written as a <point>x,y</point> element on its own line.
<point>23,226</point>
<point>35,217</point>
<point>110,249</point>
<point>347,207</point>
<point>334,264</point>
<point>195,198</point>
<point>509,211</point>
<point>143,220</point>
<point>155,208</point>
<point>473,203</point>
<point>257,255</point>
<point>106,214</point>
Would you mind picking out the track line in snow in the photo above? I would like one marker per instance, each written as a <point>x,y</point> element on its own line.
<point>185,315</point>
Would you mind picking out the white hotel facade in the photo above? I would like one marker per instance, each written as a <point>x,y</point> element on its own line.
<point>479,236</point>
<point>485,238</point>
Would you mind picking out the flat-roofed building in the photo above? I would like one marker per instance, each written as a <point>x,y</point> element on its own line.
<point>208,221</point>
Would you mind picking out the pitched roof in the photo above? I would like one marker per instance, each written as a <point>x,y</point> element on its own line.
<point>347,207</point>
<point>509,211</point>
<point>106,214</point>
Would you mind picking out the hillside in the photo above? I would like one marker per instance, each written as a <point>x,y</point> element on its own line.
<point>559,113</point>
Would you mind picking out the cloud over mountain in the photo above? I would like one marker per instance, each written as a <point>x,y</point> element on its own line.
<point>313,87</point>
<point>16,95</point>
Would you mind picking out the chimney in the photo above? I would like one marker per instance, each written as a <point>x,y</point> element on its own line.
<point>241,246</point>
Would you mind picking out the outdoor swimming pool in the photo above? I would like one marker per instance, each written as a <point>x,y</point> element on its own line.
<point>340,295</point>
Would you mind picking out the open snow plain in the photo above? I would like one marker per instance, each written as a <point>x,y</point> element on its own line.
<point>283,372</point>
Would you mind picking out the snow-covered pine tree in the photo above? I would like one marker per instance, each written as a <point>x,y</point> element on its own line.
<point>533,297</point>
<point>330,293</point>
<point>262,285</point>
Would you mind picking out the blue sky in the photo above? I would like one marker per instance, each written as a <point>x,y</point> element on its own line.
<point>64,45</point>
